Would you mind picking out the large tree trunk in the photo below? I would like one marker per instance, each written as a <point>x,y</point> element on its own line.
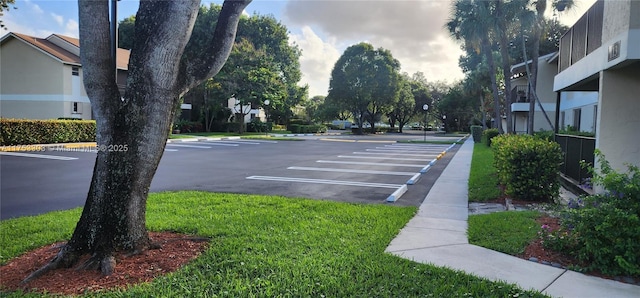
<point>506,63</point>
<point>132,131</point>
<point>486,48</point>
<point>541,6</point>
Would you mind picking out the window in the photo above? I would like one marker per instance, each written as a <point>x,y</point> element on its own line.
<point>562,115</point>
<point>253,116</point>
<point>576,119</point>
<point>76,107</point>
<point>75,71</point>
<point>595,118</point>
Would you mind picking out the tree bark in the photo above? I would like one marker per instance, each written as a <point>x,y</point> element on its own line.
<point>132,130</point>
<point>541,6</point>
<point>506,63</point>
<point>494,85</point>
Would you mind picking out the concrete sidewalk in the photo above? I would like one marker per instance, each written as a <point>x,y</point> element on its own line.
<point>438,235</point>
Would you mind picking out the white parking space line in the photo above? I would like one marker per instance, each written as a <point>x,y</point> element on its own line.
<point>352,171</point>
<point>323,181</point>
<point>371,163</point>
<point>416,146</point>
<point>170,150</point>
<point>411,149</point>
<point>43,156</point>
<point>229,142</point>
<point>403,151</point>
<point>378,157</point>
<point>396,154</point>
<point>190,146</point>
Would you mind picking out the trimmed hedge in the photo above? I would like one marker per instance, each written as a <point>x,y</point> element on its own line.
<point>528,167</point>
<point>476,132</point>
<point>315,128</point>
<point>488,135</point>
<point>27,132</point>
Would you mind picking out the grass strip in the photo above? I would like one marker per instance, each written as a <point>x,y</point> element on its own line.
<point>270,246</point>
<point>509,232</point>
<point>483,180</point>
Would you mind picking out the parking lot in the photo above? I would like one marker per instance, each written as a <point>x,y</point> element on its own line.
<point>350,169</point>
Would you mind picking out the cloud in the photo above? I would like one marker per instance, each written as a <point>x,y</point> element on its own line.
<point>412,30</point>
<point>72,28</point>
<point>58,19</point>
<point>318,58</point>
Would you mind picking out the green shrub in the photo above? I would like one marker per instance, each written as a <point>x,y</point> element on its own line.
<point>256,125</point>
<point>476,132</point>
<point>186,126</point>
<point>26,132</point>
<point>548,135</point>
<point>314,128</point>
<point>488,135</point>
<point>528,167</point>
<point>603,230</point>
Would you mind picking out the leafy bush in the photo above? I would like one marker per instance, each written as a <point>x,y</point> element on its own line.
<point>603,230</point>
<point>26,132</point>
<point>548,135</point>
<point>528,167</point>
<point>186,126</point>
<point>315,128</point>
<point>476,132</point>
<point>258,126</point>
<point>488,135</point>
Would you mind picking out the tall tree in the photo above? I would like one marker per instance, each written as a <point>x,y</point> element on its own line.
<point>132,129</point>
<point>471,21</point>
<point>364,81</point>
<point>404,107</point>
<point>251,77</point>
<point>538,29</point>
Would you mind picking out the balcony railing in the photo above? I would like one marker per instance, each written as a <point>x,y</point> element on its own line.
<point>520,94</point>
<point>583,38</point>
<point>575,150</point>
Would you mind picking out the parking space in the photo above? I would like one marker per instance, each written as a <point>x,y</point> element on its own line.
<point>358,171</point>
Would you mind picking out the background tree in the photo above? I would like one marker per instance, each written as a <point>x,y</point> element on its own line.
<point>132,129</point>
<point>266,34</point>
<point>4,6</point>
<point>459,108</point>
<point>404,108</point>
<point>126,32</point>
<point>472,21</point>
<point>251,77</point>
<point>312,108</point>
<point>364,81</point>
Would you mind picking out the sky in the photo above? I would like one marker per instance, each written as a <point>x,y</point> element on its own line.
<point>413,30</point>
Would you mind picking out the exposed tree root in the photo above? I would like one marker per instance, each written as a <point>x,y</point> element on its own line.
<point>64,259</point>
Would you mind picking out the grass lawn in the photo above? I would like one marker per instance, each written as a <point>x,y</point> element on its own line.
<point>483,182</point>
<point>508,232</point>
<point>269,246</point>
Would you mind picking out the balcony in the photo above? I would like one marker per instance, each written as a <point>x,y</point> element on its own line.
<point>583,38</point>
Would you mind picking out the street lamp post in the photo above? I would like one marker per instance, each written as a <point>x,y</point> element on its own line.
<point>425,107</point>
<point>444,119</point>
<point>266,118</point>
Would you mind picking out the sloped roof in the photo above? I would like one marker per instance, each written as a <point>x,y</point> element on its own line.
<point>49,47</point>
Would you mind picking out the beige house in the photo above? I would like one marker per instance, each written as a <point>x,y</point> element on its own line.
<point>604,57</point>
<point>577,109</point>
<point>41,78</point>
<point>547,68</point>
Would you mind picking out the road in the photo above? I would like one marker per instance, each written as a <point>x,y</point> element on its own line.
<point>361,169</point>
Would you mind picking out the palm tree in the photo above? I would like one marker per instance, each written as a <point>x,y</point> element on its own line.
<point>471,22</point>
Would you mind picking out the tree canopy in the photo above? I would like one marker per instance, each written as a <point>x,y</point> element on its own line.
<point>365,81</point>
